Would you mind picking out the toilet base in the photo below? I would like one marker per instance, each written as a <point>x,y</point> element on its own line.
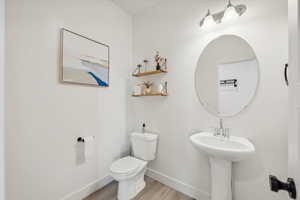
<point>129,188</point>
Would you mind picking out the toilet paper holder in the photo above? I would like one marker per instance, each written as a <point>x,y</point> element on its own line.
<point>81,139</point>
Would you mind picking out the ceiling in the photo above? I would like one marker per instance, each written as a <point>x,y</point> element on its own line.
<point>136,6</point>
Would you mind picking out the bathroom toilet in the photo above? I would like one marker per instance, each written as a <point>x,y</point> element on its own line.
<point>129,171</point>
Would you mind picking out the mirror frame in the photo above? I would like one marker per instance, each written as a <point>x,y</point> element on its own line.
<point>213,111</point>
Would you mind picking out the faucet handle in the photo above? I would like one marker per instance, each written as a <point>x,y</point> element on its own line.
<point>226,132</point>
<point>216,132</point>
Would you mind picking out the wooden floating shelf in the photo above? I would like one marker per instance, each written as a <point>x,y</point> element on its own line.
<point>150,95</point>
<point>150,73</point>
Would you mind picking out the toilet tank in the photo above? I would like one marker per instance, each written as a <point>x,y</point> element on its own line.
<point>144,145</point>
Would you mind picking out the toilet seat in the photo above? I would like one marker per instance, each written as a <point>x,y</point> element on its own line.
<point>129,172</point>
<point>127,166</point>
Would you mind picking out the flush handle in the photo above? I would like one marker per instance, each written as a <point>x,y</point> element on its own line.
<point>289,186</point>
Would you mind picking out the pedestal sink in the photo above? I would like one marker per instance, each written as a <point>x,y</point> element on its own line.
<point>222,152</point>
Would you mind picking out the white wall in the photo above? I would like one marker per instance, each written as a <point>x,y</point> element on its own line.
<point>45,117</point>
<point>172,28</point>
<point>2,76</point>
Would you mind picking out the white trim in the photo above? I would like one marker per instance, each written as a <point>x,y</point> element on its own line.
<point>88,189</point>
<point>294,89</point>
<point>2,106</point>
<point>162,178</point>
<point>178,185</point>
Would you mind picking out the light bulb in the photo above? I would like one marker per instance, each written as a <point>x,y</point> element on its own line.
<point>209,21</point>
<point>230,13</point>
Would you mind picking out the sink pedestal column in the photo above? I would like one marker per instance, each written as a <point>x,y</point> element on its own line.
<point>220,179</point>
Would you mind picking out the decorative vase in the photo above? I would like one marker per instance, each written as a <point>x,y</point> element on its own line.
<point>160,89</point>
<point>147,90</point>
<point>146,65</point>
<point>137,90</point>
<point>158,67</point>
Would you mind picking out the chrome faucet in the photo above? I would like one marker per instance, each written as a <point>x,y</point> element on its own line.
<point>221,131</point>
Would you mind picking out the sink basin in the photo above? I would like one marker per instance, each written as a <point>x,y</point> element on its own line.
<point>232,148</point>
<point>222,152</point>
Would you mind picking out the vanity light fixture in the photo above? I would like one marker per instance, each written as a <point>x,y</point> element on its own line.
<point>231,11</point>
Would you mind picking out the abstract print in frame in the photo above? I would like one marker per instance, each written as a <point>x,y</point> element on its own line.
<point>84,61</point>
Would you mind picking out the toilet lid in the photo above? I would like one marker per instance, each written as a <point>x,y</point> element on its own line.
<point>144,136</point>
<point>126,165</point>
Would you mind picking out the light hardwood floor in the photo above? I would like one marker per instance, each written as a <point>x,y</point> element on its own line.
<point>154,190</point>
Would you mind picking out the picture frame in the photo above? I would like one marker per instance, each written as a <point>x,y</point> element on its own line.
<point>83,61</point>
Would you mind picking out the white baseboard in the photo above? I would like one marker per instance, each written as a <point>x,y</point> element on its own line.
<point>178,185</point>
<point>169,181</point>
<point>88,189</point>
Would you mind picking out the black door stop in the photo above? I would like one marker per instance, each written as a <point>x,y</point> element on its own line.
<point>289,186</point>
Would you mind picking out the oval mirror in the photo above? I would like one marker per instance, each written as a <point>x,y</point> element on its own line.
<point>226,77</point>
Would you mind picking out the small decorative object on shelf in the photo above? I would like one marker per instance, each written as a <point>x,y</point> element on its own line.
<point>137,90</point>
<point>146,65</point>
<point>161,63</point>
<point>164,64</point>
<point>157,88</point>
<point>147,87</point>
<point>165,88</point>
<point>157,60</point>
<point>137,70</point>
<point>160,88</point>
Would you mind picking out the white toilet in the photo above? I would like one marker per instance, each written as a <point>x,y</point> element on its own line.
<point>129,171</point>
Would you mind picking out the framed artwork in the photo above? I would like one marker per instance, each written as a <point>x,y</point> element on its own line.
<point>84,61</point>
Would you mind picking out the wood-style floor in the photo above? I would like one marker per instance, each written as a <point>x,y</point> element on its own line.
<point>154,190</point>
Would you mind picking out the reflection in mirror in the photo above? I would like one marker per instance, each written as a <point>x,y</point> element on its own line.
<point>227,76</point>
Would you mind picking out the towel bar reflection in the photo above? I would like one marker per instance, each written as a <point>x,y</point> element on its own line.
<point>229,82</point>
